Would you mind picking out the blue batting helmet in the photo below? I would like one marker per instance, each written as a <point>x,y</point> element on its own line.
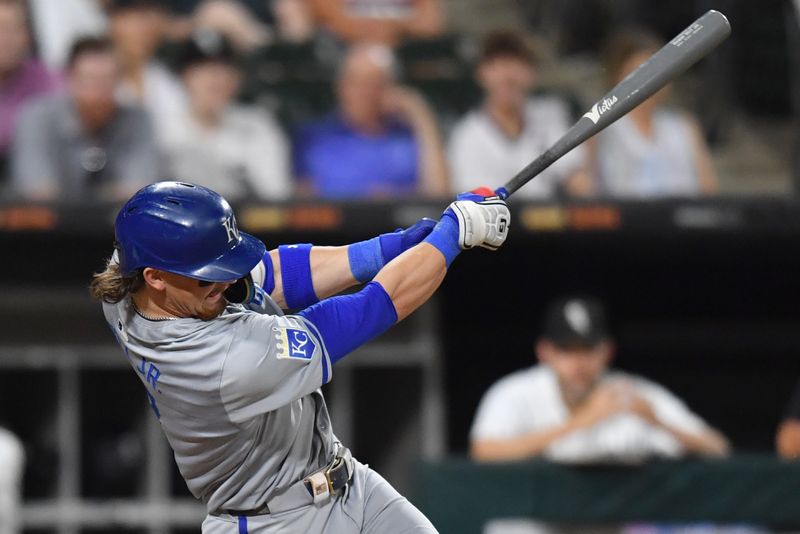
<point>184,229</point>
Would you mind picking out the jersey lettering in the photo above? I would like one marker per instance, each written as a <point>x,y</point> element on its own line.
<point>152,400</point>
<point>150,373</point>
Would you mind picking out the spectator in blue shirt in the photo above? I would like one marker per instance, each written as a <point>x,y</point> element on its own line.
<point>382,141</point>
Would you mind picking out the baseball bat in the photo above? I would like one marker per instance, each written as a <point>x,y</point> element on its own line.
<point>689,46</point>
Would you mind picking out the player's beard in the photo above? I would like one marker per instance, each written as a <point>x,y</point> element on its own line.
<point>212,310</point>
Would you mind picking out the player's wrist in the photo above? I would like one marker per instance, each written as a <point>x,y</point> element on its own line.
<point>368,257</point>
<point>444,237</point>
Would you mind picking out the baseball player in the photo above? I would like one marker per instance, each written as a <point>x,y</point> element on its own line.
<point>237,391</point>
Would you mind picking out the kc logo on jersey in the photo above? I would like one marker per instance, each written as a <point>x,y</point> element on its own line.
<point>294,343</point>
<point>230,227</point>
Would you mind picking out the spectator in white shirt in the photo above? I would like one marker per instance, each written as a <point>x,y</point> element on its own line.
<point>511,128</point>
<point>12,461</point>
<point>653,151</point>
<point>137,28</point>
<point>237,150</point>
<point>572,408</point>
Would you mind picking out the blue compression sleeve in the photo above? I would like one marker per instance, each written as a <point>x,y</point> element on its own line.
<point>298,288</point>
<point>368,257</point>
<point>445,237</point>
<point>348,321</point>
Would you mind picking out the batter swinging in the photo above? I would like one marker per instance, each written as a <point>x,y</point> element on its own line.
<point>236,386</point>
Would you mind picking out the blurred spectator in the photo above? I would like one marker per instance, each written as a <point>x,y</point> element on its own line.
<point>491,144</point>
<point>59,23</point>
<point>380,21</point>
<point>137,28</point>
<point>572,408</point>
<point>235,150</point>
<point>21,76</point>
<point>247,24</point>
<point>83,145</point>
<point>788,437</point>
<point>383,141</point>
<point>652,151</point>
<point>232,19</point>
<point>294,22</point>
<point>12,461</point>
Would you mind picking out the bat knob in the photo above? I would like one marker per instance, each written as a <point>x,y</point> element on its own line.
<point>501,192</point>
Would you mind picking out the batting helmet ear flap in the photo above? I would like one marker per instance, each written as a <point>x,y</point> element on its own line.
<point>241,291</point>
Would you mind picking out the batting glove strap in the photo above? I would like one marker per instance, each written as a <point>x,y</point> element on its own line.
<point>481,224</point>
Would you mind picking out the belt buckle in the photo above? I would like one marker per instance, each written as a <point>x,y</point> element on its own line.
<point>321,486</point>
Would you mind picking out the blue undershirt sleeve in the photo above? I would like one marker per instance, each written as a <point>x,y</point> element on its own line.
<point>348,321</point>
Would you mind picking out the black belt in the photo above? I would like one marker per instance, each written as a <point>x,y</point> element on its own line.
<point>320,485</point>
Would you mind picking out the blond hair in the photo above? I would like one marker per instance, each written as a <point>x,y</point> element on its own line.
<point>110,286</point>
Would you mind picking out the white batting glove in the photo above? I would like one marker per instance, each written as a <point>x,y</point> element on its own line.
<point>483,219</point>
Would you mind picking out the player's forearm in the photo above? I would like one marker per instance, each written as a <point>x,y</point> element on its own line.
<point>330,274</point>
<point>297,276</point>
<point>519,448</point>
<point>411,278</point>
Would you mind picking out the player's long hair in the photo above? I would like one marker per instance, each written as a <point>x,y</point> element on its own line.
<point>110,286</point>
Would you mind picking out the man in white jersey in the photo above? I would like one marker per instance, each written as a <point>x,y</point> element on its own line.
<point>572,408</point>
<point>237,391</point>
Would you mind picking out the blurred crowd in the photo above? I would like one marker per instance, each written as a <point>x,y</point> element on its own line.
<point>272,99</point>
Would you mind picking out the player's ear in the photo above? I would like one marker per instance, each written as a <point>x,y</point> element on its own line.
<point>609,349</point>
<point>154,278</point>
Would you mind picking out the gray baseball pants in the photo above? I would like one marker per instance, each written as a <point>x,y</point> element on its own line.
<point>369,505</point>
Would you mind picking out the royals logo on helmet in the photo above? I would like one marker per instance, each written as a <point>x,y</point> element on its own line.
<point>230,227</point>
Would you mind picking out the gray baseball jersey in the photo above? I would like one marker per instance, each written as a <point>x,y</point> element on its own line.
<point>238,398</point>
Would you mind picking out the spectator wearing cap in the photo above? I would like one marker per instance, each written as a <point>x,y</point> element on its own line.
<point>383,141</point>
<point>511,127</point>
<point>12,462</point>
<point>83,145</point>
<point>22,77</point>
<point>137,28</point>
<point>236,150</point>
<point>653,151</point>
<point>573,408</point>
